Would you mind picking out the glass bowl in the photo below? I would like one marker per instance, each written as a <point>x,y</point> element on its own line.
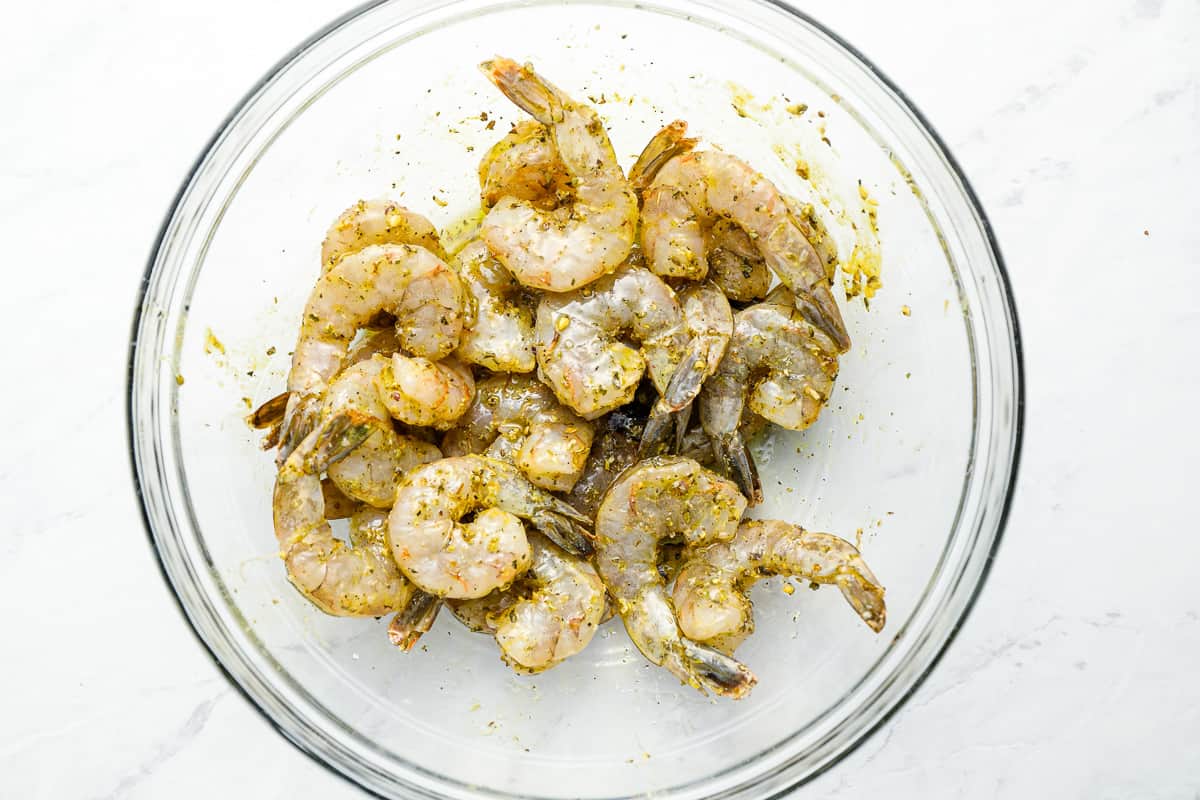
<point>917,450</point>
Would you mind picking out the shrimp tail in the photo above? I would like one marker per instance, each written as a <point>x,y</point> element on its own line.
<point>413,620</point>
<point>270,413</point>
<point>658,424</point>
<point>568,534</point>
<point>300,419</point>
<point>565,526</point>
<point>721,674</point>
<point>819,308</point>
<point>681,425</point>
<point>655,431</point>
<point>669,142</point>
<point>733,456</point>
<point>866,598</point>
<point>336,440</point>
<point>525,88</point>
<point>675,403</point>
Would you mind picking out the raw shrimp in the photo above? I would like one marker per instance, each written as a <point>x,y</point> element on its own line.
<point>548,615</point>
<point>783,365</point>
<point>426,393</point>
<point>524,165</point>
<point>379,221</point>
<point>579,340</point>
<point>708,320</point>
<point>516,418</point>
<point>698,188</point>
<point>417,287</point>
<point>672,236</point>
<point>449,558</point>
<point>579,241</point>
<point>499,326</point>
<point>710,591</point>
<point>370,472</point>
<point>734,263</point>
<point>368,528</point>
<point>356,580</point>
<point>651,501</point>
<point>270,414</point>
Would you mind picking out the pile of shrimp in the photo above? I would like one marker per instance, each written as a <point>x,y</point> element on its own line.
<point>549,427</point>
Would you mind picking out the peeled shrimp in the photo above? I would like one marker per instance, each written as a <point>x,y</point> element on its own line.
<point>710,591</point>
<point>550,614</point>
<point>499,327</point>
<point>370,472</point>
<point>695,189</point>
<point>424,393</point>
<point>783,366</point>
<point>356,580</point>
<point>524,165</point>
<point>450,558</point>
<point>581,240</point>
<point>418,288</point>
<point>516,418</point>
<point>651,501</point>
<point>368,529</point>
<point>581,336</point>
<point>379,221</point>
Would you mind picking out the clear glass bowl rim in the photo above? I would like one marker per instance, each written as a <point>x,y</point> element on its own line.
<point>975,206</point>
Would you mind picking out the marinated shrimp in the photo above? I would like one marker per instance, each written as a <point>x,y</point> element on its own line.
<point>379,221</point>
<point>368,528</point>
<point>589,236</point>
<point>418,288</point>
<point>550,614</point>
<point>516,418</point>
<point>370,472</point>
<point>779,363</point>
<point>581,340</point>
<point>426,393</point>
<point>651,501</point>
<point>270,414</point>
<point>525,165</point>
<point>710,591</point>
<point>672,236</point>
<point>359,580</point>
<point>403,345</point>
<point>696,189</point>
<point>447,557</point>
<point>499,326</point>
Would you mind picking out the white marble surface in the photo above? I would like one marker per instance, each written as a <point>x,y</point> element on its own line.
<point>1076,675</point>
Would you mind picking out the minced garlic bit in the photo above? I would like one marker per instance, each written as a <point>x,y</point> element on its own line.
<point>861,273</point>
<point>211,343</point>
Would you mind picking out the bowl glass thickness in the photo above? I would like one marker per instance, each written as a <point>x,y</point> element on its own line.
<point>918,447</point>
